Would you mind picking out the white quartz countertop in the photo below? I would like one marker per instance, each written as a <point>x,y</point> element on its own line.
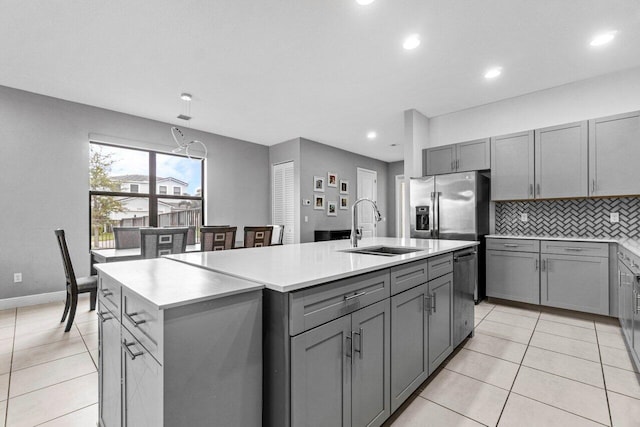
<point>167,284</point>
<point>292,267</point>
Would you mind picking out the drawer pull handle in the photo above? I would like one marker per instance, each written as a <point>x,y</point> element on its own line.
<point>511,245</point>
<point>441,263</point>
<point>573,249</point>
<point>129,317</point>
<point>132,355</point>
<point>350,297</point>
<point>103,317</point>
<point>106,292</point>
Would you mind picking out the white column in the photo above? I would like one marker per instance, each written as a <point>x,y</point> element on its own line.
<point>416,138</point>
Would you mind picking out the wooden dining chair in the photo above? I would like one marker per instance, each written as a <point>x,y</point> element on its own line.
<point>127,237</point>
<point>277,235</point>
<point>155,242</point>
<point>217,238</point>
<point>191,234</point>
<point>255,237</point>
<point>75,285</point>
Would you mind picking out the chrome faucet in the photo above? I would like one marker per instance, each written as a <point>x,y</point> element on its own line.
<point>355,231</point>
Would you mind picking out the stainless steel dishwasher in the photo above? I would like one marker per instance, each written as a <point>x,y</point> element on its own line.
<point>465,277</point>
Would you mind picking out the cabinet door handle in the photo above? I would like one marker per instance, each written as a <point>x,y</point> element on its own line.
<point>103,316</point>
<point>359,294</point>
<point>637,302</point>
<point>453,167</point>
<point>427,303</point>
<point>129,317</point>
<point>349,349</point>
<point>125,345</point>
<point>544,265</point>
<point>536,267</point>
<point>433,299</point>
<point>538,189</point>
<point>457,164</point>
<point>531,190</point>
<point>360,338</point>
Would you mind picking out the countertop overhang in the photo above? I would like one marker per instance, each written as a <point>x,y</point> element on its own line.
<point>292,267</point>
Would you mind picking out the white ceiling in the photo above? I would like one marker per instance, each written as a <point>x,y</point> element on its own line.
<point>329,70</point>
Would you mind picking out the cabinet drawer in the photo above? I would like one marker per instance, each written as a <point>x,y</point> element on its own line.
<point>575,248</point>
<point>144,321</point>
<point>517,245</point>
<point>109,294</point>
<point>440,265</point>
<point>313,307</point>
<point>407,276</point>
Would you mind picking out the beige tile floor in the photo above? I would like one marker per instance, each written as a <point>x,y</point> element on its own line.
<point>523,368</point>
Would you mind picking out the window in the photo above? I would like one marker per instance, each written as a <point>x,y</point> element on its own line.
<point>122,191</point>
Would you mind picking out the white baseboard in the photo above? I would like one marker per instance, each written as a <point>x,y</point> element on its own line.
<point>32,300</point>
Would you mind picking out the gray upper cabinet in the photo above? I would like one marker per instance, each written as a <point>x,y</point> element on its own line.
<point>461,157</point>
<point>512,166</point>
<point>614,150</point>
<point>321,375</point>
<point>440,320</point>
<point>409,343</point>
<point>439,160</point>
<point>561,161</point>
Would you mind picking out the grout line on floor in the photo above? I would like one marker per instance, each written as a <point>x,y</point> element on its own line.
<point>52,360</point>
<point>564,354</point>
<point>566,378</point>
<point>563,336</point>
<point>64,415</point>
<point>571,324</point>
<point>491,355</point>
<point>475,379</point>
<point>50,385</point>
<point>449,409</point>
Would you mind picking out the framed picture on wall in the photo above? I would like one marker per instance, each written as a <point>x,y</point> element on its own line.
<point>318,201</point>
<point>318,183</point>
<point>332,179</point>
<point>344,186</point>
<point>344,202</point>
<point>331,209</point>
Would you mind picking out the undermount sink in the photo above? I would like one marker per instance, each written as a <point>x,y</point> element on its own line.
<point>382,250</point>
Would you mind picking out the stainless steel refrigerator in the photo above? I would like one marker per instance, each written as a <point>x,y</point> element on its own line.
<point>453,207</point>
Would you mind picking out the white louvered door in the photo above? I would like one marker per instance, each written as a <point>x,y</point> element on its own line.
<point>282,199</point>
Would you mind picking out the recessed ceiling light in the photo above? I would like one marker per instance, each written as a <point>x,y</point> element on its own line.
<point>603,38</point>
<point>372,135</point>
<point>411,42</point>
<point>492,73</point>
<point>364,2</point>
<point>185,96</point>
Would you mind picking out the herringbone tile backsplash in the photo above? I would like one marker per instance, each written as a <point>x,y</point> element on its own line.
<point>575,218</point>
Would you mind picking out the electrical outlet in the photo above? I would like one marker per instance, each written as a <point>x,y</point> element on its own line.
<point>524,217</point>
<point>614,217</point>
<point>17,277</point>
<point>306,218</point>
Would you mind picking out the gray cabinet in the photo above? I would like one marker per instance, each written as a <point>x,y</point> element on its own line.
<point>513,275</point>
<point>409,343</point>
<point>340,371</point>
<point>109,356</point>
<point>461,157</point>
<point>512,166</point>
<point>142,385</point>
<point>440,293</point>
<point>561,161</point>
<point>625,300</point>
<point>614,150</point>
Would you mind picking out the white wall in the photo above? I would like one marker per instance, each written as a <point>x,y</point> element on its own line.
<point>601,96</point>
<point>44,172</point>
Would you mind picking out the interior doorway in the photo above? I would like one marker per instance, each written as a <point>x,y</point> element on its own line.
<point>367,187</point>
<point>282,199</point>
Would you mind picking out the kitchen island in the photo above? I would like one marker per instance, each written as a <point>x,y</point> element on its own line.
<point>345,337</point>
<point>348,337</point>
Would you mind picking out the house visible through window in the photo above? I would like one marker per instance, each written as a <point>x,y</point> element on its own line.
<point>123,192</point>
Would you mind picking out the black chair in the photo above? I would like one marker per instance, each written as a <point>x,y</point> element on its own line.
<point>217,238</point>
<point>127,237</point>
<point>156,242</point>
<point>256,237</point>
<point>75,285</point>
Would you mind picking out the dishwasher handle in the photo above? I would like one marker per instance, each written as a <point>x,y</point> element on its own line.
<point>458,258</point>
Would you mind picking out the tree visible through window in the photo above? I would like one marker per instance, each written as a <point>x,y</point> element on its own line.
<point>125,189</point>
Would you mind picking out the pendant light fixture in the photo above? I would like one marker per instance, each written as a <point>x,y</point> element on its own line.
<point>178,135</point>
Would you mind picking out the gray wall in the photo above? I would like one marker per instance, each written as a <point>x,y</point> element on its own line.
<point>318,159</point>
<point>44,169</point>
<point>285,152</point>
<point>395,168</point>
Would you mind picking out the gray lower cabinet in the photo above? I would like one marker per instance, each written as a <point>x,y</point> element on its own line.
<point>625,300</point>
<point>340,371</point>
<point>513,275</point>
<point>109,358</point>
<point>578,283</point>
<point>409,343</point>
<point>440,320</point>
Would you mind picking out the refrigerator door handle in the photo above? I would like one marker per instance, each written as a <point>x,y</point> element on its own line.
<point>432,215</point>
<point>436,215</point>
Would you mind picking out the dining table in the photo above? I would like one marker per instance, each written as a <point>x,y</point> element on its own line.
<point>99,256</point>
